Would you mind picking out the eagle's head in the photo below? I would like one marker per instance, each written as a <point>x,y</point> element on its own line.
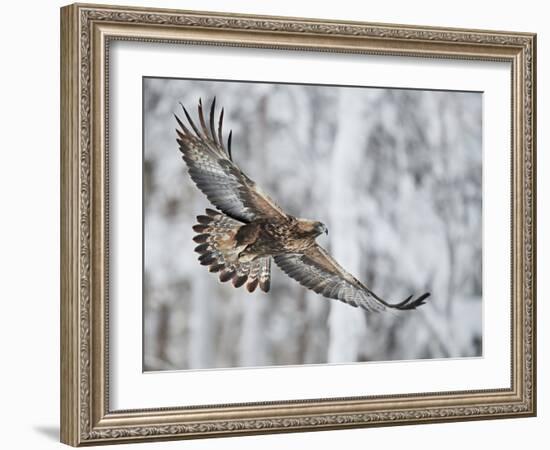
<point>309,228</point>
<point>320,228</point>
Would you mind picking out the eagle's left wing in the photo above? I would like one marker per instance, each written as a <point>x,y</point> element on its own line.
<point>318,271</point>
<point>212,169</point>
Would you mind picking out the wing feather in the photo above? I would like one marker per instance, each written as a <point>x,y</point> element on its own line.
<point>318,271</point>
<point>216,175</point>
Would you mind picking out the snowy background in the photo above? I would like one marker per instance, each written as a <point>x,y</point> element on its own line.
<point>395,175</point>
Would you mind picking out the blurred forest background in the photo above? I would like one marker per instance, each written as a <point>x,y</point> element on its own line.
<point>396,175</point>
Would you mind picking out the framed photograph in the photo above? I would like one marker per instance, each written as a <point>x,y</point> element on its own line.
<point>275,224</point>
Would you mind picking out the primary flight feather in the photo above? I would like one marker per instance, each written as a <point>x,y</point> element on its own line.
<point>239,240</point>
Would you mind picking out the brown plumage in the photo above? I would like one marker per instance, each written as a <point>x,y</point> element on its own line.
<point>239,241</point>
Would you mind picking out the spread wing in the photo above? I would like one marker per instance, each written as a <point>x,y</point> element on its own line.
<point>212,169</point>
<point>318,271</point>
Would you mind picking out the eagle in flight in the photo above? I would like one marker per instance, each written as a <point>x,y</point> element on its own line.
<point>249,228</point>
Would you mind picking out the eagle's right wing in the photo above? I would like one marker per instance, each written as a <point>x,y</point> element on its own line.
<point>217,176</point>
<point>318,271</point>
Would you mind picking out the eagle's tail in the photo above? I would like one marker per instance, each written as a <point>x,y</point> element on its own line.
<point>218,250</point>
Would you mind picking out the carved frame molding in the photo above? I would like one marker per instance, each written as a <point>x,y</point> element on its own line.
<point>86,31</point>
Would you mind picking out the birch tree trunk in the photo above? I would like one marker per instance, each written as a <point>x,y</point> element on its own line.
<point>201,327</point>
<point>253,351</point>
<point>253,342</point>
<point>201,324</point>
<point>347,324</point>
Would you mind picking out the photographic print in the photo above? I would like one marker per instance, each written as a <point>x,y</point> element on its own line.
<point>291,224</point>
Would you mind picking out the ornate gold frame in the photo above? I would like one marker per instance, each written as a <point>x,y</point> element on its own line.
<point>86,31</point>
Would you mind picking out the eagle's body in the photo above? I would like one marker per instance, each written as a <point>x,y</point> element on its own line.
<point>240,240</point>
<point>264,238</point>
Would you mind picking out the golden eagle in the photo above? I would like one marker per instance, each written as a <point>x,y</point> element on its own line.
<point>240,241</point>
